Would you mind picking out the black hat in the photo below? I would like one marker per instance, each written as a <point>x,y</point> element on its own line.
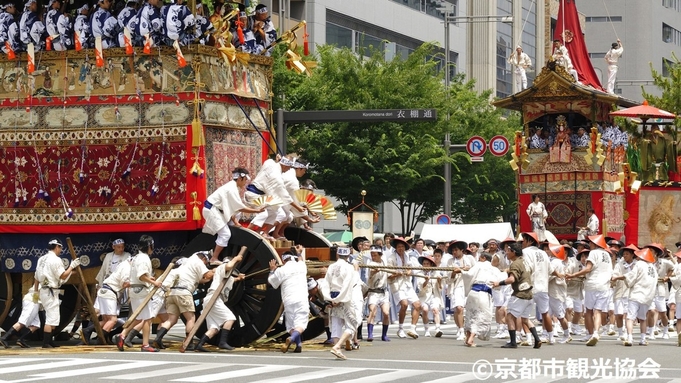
<point>356,241</point>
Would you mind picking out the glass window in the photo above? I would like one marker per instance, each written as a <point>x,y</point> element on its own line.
<point>338,36</point>
<point>367,44</point>
<point>603,19</point>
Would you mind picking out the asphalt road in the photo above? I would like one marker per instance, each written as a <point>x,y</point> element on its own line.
<point>401,360</point>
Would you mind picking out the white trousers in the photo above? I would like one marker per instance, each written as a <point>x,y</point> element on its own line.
<point>612,76</point>
<point>520,78</point>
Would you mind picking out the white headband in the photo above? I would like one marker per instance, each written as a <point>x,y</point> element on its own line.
<point>286,161</point>
<point>311,284</point>
<point>261,10</point>
<point>118,241</point>
<point>343,251</point>
<point>239,175</point>
<point>298,165</point>
<point>55,242</point>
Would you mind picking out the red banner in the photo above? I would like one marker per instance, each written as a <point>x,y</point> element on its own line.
<point>569,31</point>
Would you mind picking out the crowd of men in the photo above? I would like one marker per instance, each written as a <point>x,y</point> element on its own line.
<point>122,23</point>
<point>610,286</point>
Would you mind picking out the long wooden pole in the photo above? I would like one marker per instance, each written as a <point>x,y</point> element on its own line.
<point>146,300</point>
<point>85,292</point>
<point>207,307</point>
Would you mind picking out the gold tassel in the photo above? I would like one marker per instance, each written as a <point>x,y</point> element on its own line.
<point>195,209</point>
<point>196,169</point>
<point>197,132</point>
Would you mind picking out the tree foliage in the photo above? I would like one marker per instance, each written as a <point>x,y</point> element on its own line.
<point>397,163</point>
<point>670,86</point>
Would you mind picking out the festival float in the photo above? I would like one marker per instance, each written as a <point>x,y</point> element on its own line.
<point>633,188</point>
<point>99,145</point>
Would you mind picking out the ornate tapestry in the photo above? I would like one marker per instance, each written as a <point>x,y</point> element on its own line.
<point>567,212</point>
<point>613,212</point>
<point>228,149</point>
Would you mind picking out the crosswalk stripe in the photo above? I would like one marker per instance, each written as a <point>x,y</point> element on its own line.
<point>18,360</point>
<point>92,370</point>
<point>467,377</point>
<point>234,374</point>
<point>327,372</point>
<point>168,371</point>
<point>387,377</point>
<point>46,366</point>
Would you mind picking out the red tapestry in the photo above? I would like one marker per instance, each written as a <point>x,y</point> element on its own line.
<point>104,177</point>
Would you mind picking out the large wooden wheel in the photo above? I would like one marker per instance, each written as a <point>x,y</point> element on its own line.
<point>6,301</point>
<point>256,304</point>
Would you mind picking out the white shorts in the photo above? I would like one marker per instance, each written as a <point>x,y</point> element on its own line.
<point>672,296</point>
<point>556,308</point>
<point>296,315</point>
<point>597,300</point>
<point>432,303</point>
<point>224,234</point>
<point>137,296</point>
<point>284,214</point>
<point>458,297</point>
<point>107,306</point>
<point>50,301</point>
<point>637,310</point>
<point>576,305</point>
<point>218,315</point>
<point>678,311</point>
<point>378,299</point>
<point>29,313</point>
<point>520,308</point>
<point>659,305</point>
<point>501,295</point>
<point>621,306</point>
<point>407,294</point>
<point>541,299</point>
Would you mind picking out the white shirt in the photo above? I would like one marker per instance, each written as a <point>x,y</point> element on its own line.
<point>342,279</point>
<point>110,264</point>
<point>188,276</point>
<point>466,260</point>
<point>621,290</point>
<point>49,270</point>
<point>557,286</point>
<point>117,279</point>
<point>521,62</point>
<point>641,281</point>
<point>663,267</point>
<point>613,55</point>
<point>537,262</point>
<point>601,272</point>
<point>537,209</point>
<point>269,180</point>
<point>226,198</point>
<point>593,224</point>
<point>220,274</point>
<point>293,281</point>
<point>403,281</point>
<point>141,264</point>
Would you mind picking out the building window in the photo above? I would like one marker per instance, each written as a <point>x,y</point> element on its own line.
<point>603,19</point>
<point>671,35</point>
<point>338,36</point>
<point>672,4</point>
<point>430,7</point>
<point>597,55</point>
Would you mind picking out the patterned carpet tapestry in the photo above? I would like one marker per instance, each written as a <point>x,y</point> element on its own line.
<point>566,212</point>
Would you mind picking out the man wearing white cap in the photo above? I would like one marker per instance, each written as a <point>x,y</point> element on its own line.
<point>377,296</point>
<point>220,208</point>
<point>49,276</point>
<point>112,260</point>
<point>520,61</point>
<point>141,280</point>
<point>346,297</point>
<point>598,272</point>
<point>292,278</point>
<point>111,292</point>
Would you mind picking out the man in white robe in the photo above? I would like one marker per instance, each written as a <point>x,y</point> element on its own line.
<point>346,297</point>
<point>221,206</point>
<point>292,278</point>
<point>479,305</point>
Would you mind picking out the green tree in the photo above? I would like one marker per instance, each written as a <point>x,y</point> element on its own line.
<point>670,85</point>
<point>397,163</point>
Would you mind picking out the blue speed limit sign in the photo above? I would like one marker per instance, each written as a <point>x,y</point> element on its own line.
<point>498,145</point>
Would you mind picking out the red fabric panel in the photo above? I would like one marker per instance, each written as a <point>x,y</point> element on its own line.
<point>631,226</point>
<point>523,219</point>
<point>575,44</point>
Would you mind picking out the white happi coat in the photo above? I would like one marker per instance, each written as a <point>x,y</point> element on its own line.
<point>226,198</point>
<point>291,277</point>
